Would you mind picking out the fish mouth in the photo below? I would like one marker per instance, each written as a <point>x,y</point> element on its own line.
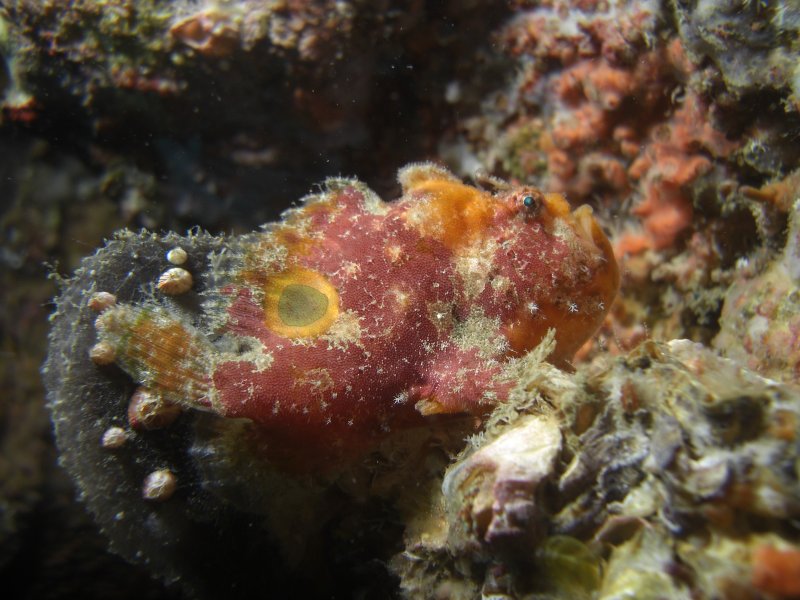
<point>585,225</point>
<point>587,228</point>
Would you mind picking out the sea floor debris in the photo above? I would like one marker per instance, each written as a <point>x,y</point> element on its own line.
<point>666,473</point>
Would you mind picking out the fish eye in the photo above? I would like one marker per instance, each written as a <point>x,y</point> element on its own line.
<point>532,202</point>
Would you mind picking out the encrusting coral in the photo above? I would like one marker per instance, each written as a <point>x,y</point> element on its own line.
<point>638,108</point>
<point>619,118</point>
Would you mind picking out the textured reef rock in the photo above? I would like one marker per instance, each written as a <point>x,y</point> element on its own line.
<point>760,320</point>
<point>753,44</point>
<point>669,473</point>
<point>202,384</point>
<point>213,92</point>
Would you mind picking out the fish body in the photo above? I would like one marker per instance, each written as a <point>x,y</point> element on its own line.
<point>354,317</point>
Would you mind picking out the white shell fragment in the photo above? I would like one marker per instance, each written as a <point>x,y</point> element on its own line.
<point>177,256</point>
<point>113,438</point>
<point>147,410</point>
<point>100,301</point>
<point>159,486</point>
<point>175,281</point>
<point>491,495</point>
<point>102,353</point>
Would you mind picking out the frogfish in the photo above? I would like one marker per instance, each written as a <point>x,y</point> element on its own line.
<point>352,317</point>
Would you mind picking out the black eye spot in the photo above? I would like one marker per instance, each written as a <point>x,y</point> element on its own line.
<point>532,202</point>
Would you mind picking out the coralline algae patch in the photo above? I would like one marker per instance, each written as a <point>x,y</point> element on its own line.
<point>196,382</point>
<point>353,317</point>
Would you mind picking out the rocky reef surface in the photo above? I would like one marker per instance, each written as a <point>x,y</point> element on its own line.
<point>667,473</point>
<point>662,463</point>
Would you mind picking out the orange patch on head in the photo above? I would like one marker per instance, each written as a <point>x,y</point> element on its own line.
<point>556,204</point>
<point>452,213</point>
<point>299,303</point>
<point>573,322</point>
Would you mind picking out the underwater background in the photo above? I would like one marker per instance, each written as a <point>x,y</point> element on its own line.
<point>665,464</point>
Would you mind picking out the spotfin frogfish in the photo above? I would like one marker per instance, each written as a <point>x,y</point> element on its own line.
<point>353,317</point>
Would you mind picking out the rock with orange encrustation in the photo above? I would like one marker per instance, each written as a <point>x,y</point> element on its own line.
<point>353,317</point>
<point>760,318</point>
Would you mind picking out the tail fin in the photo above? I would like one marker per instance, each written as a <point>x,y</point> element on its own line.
<point>159,352</point>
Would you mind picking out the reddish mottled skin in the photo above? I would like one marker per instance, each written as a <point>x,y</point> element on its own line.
<point>436,291</point>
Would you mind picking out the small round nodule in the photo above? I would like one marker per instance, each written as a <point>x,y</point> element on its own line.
<point>175,281</point>
<point>177,256</point>
<point>147,410</point>
<point>159,486</point>
<point>102,353</point>
<point>113,438</point>
<point>101,301</point>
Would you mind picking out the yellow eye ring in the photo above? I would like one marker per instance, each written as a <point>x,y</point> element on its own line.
<point>299,303</point>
